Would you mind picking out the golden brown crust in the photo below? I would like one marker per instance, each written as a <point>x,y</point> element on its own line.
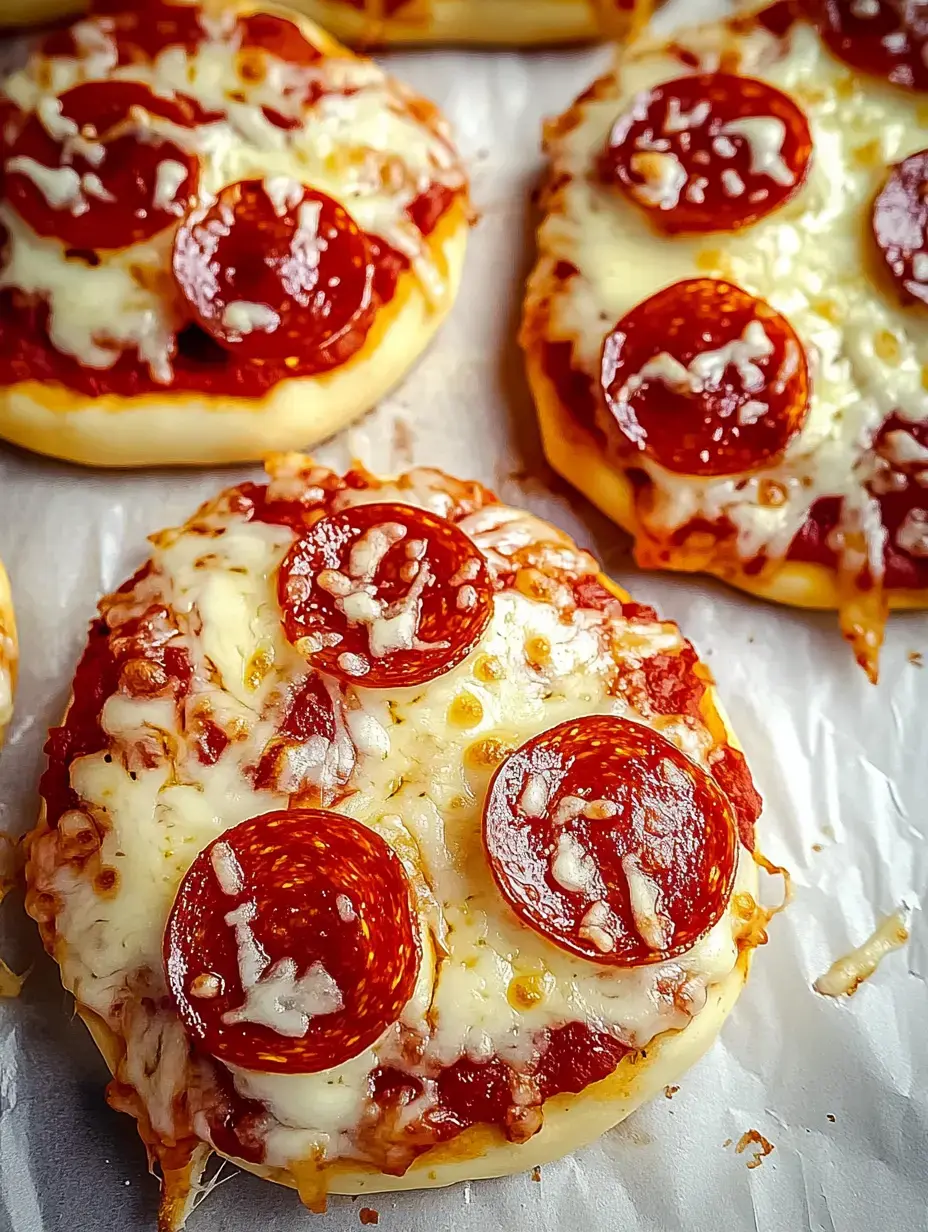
<point>178,429</point>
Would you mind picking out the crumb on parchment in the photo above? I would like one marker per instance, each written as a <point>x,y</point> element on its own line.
<point>752,1138</point>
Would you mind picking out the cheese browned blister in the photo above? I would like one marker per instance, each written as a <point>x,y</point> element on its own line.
<point>414,765</point>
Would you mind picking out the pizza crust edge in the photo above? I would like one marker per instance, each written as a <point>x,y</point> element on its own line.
<point>189,429</point>
<point>574,453</point>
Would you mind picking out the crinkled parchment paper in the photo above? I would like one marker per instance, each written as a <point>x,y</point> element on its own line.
<point>839,1089</point>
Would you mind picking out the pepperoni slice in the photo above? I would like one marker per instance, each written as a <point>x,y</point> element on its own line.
<point>607,840</point>
<point>900,226</point>
<point>278,37</point>
<point>98,175</point>
<point>730,771</point>
<point>384,595</point>
<point>710,152</point>
<point>274,270</point>
<point>886,38</point>
<point>293,942</point>
<point>706,379</point>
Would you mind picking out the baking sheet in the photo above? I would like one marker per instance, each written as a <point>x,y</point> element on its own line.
<point>840,1090</point>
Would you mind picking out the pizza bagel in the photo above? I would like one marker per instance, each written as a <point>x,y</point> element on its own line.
<point>269,230</point>
<point>386,843</point>
<point>725,330</point>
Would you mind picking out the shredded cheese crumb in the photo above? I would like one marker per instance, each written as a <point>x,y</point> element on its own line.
<point>845,975</point>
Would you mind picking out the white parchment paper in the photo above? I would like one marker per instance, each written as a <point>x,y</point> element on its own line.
<point>840,1090</point>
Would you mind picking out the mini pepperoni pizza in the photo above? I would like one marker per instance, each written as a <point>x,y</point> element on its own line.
<point>725,331</point>
<point>222,234</point>
<point>8,652</point>
<point>369,22</point>
<point>386,843</point>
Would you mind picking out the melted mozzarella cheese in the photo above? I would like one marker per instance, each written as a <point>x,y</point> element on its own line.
<point>277,996</point>
<point>573,867</point>
<point>169,176</point>
<point>765,136</point>
<point>418,776</point>
<point>868,354</point>
<point>244,317</point>
<point>132,308</point>
<point>60,186</point>
<point>362,145</point>
<point>654,927</point>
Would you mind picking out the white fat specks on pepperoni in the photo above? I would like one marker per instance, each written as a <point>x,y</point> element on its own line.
<point>725,393</point>
<point>706,370</point>
<point>765,136</point>
<point>369,549</point>
<point>242,317</point>
<point>662,179</point>
<point>467,598</point>
<point>345,908</point>
<point>62,187</point>
<point>168,180</point>
<point>390,626</point>
<point>912,535</point>
<point>382,582</point>
<point>569,808</point>
<point>534,798</point>
<point>354,664</point>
